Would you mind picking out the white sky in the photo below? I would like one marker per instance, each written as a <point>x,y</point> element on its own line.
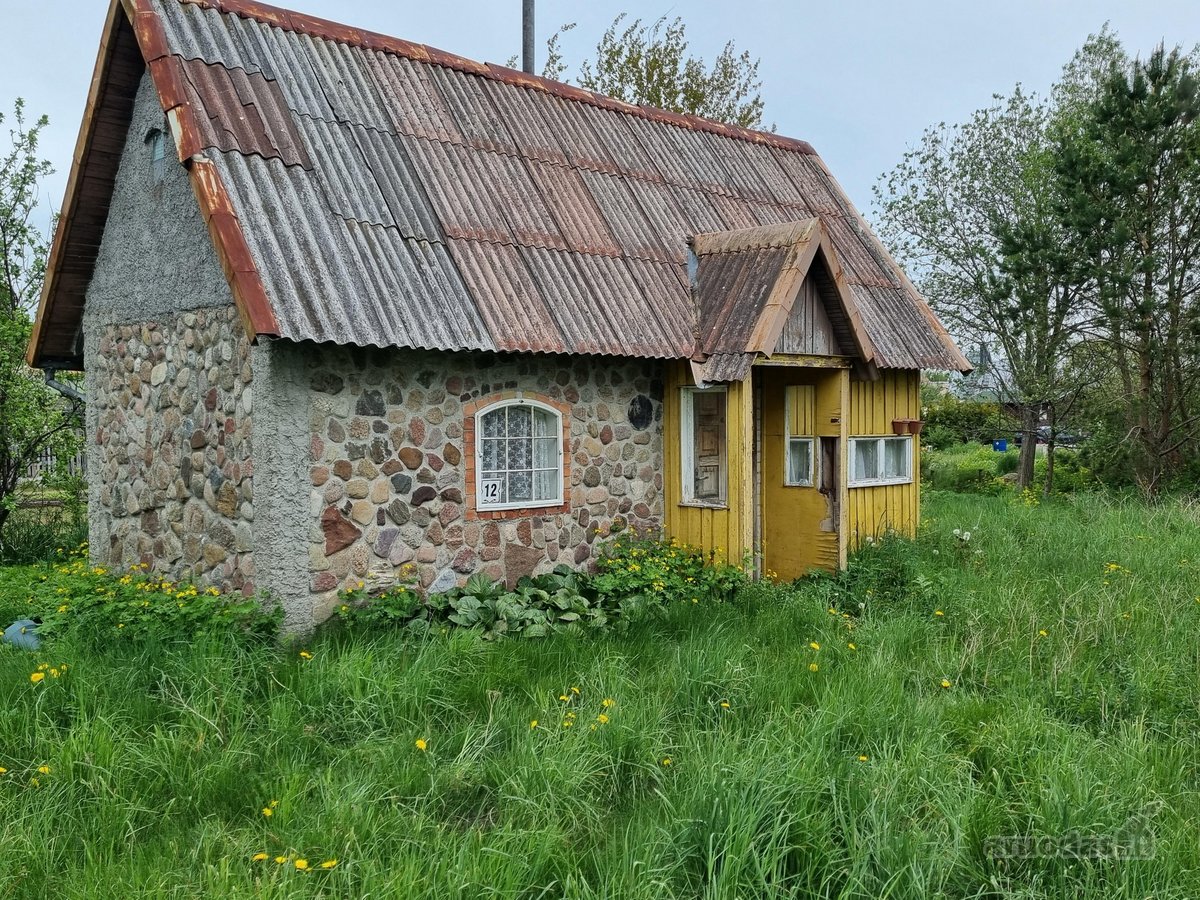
<point>858,80</point>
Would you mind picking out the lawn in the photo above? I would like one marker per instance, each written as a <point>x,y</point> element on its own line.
<point>867,737</point>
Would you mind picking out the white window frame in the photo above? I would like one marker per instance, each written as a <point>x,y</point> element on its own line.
<point>812,460</point>
<point>880,440</point>
<point>481,504</point>
<point>787,449</point>
<point>688,450</point>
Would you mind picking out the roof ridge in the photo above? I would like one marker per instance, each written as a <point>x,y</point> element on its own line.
<point>316,27</point>
<point>754,238</point>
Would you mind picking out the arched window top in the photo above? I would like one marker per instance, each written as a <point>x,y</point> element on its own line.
<point>518,455</point>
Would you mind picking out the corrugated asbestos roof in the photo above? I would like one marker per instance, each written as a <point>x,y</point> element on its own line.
<point>364,190</point>
<point>746,284</point>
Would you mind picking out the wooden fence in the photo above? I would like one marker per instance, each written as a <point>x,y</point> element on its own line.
<point>46,462</point>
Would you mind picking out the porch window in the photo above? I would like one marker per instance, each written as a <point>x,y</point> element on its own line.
<point>801,416</point>
<point>880,460</point>
<point>519,453</point>
<point>800,461</point>
<point>705,460</point>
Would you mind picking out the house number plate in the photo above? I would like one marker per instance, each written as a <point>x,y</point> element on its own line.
<point>490,491</point>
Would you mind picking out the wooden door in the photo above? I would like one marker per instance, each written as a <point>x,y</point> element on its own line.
<point>799,476</point>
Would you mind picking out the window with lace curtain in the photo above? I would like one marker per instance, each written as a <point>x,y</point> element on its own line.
<point>518,456</point>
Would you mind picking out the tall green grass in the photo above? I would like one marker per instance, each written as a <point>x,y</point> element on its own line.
<point>162,758</point>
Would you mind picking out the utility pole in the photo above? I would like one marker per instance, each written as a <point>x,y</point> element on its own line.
<point>527,36</point>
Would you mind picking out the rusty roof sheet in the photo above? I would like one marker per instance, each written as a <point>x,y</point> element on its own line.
<point>742,276</point>
<point>746,284</point>
<point>392,194</point>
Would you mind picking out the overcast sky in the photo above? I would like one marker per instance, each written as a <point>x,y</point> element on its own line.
<point>858,80</point>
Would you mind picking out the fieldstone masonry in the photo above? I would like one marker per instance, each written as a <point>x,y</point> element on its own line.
<point>390,485</point>
<point>173,407</point>
<point>361,457</point>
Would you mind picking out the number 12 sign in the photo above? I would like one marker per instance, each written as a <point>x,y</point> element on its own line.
<point>490,491</point>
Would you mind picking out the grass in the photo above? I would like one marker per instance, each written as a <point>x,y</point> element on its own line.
<point>162,758</point>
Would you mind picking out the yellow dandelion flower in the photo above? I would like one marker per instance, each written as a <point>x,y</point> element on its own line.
<point>563,698</point>
<point>567,723</point>
<point>724,704</point>
<point>812,667</point>
<point>1043,633</point>
<point>852,646</point>
<point>602,719</point>
<point>938,612</point>
<point>608,702</point>
<point>575,691</point>
<point>814,645</point>
<point>43,770</point>
<point>3,771</point>
<point>666,761</point>
<point>863,757</point>
<point>533,723</point>
<point>328,864</point>
<point>281,860</point>
<point>268,812</point>
<point>422,744</point>
<point>945,682</point>
<point>304,654</point>
<point>63,608</point>
<point>301,864</point>
<point>37,676</point>
<point>259,857</point>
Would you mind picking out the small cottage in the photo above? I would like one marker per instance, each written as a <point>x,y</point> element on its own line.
<point>347,304</point>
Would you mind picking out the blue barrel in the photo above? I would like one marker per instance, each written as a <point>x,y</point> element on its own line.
<point>1001,445</point>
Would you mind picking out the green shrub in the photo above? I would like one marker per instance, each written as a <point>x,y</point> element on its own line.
<point>966,469</point>
<point>42,521</point>
<point>634,579</point>
<point>96,607</point>
<point>1008,462</point>
<point>939,437</point>
<point>535,607</point>
<point>1070,472</point>
<point>629,566</point>
<point>965,421</point>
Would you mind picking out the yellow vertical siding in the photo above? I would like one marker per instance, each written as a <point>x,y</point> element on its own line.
<point>727,531</point>
<point>832,405</point>
<point>801,409</point>
<point>873,406</point>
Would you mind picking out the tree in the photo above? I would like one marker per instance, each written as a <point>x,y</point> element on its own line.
<point>1129,174</point>
<point>649,64</point>
<point>32,416</point>
<point>971,212</point>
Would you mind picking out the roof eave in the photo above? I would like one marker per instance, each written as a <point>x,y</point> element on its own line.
<point>62,232</point>
<point>224,227</point>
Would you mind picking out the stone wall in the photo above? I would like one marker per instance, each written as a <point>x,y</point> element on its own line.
<point>389,465</point>
<point>168,372</point>
<point>173,402</point>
